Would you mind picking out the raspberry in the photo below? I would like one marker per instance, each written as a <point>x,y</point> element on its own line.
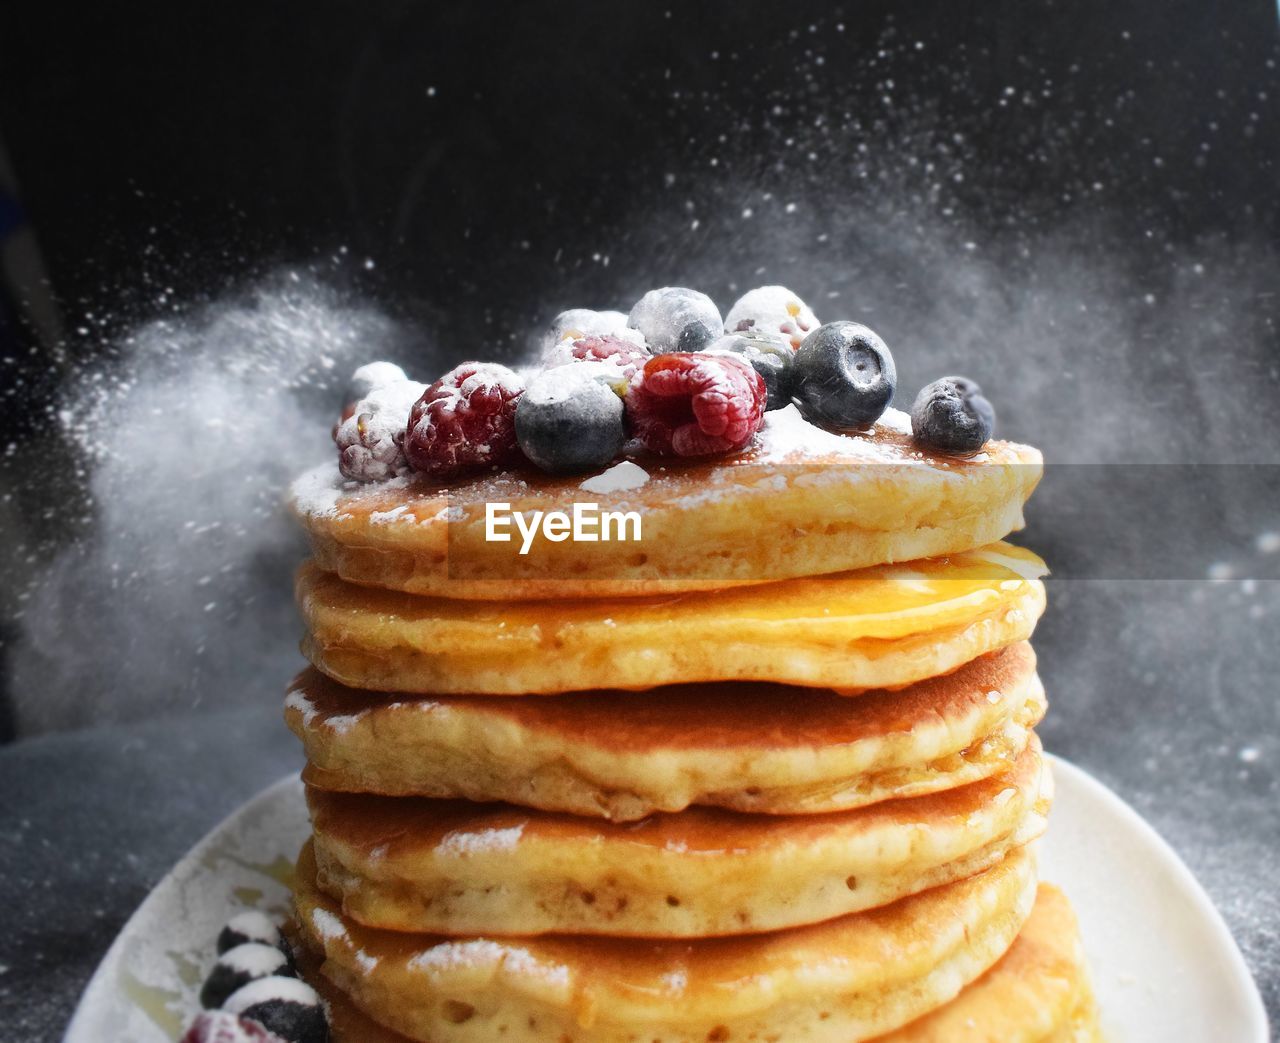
<point>691,404</point>
<point>465,422</point>
<point>218,1026</point>
<point>370,440</point>
<point>615,351</point>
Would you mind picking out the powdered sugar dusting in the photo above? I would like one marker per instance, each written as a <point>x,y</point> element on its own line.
<point>328,926</point>
<point>291,990</point>
<point>300,701</point>
<point>253,959</point>
<point>400,513</point>
<point>454,955</point>
<point>343,723</point>
<point>618,478</point>
<point>787,436</point>
<point>463,842</point>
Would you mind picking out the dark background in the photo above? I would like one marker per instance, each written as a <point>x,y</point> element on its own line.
<point>1074,203</point>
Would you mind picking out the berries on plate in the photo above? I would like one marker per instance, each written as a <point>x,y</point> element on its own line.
<point>285,1006</point>
<point>772,359</point>
<point>464,423</point>
<point>774,312</point>
<point>250,926</point>
<point>219,1026</point>
<point>237,967</point>
<point>693,404</point>
<point>570,419</point>
<point>371,439</point>
<point>952,416</point>
<point>843,376</point>
<point>577,323</point>
<point>676,318</point>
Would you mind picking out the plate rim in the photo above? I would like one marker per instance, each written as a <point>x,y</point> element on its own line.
<point>1248,993</point>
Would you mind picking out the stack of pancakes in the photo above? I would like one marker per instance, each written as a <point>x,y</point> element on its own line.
<point>745,779</point>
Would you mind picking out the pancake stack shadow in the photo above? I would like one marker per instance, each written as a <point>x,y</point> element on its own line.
<point>801,809</point>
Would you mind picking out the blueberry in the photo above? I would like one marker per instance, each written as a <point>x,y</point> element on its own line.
<point>288,1007</point>
<point>250,926</point>
<point>237,967</point>
<point>697,335</point>
<point>570,419</point>
<point>952,416</point>
<point>772,359</point>
<point>676,318</point>
<point>843,376</point>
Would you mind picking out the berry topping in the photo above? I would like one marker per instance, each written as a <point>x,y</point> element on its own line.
<point>465,422</point>
<point>570,419</point>
<point>844,376</point>
<point>772,359</point>
<point>691,404</point>
<point>251,926</point>
<point>239,966</point>
<point>952,416</point>
<point>577,323</point>
<point>774,312</point>
<point>370,441</point>
<point>622,355</point>
<point>288,1007</point>
<point>218,1026</point>
<point>676,319</point>
<point>365,379</point>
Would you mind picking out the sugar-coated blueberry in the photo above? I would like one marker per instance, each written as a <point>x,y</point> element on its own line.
<point>773,359</point>
<point>237,967</point>
<point>570,419</point>
<point>286,1006</point>
<point>843,376</point>
<point>774,312</point>
<point>251,926</point>
<point>676,318</point>
<point>951,415</point>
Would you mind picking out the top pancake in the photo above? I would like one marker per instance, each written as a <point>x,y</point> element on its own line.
<point>800,502</point>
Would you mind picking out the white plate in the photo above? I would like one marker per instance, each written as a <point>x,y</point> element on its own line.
<point>1165,967</point>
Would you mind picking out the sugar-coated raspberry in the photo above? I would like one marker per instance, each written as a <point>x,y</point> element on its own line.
<point>365,379</point>
<point>626,356</point>
<point>577,323</point>
<point>693,404</point>
<point>220,1026</point>
<point>370,440</point>
<point>465,422</point>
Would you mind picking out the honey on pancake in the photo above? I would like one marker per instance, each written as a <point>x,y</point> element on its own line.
<point>881,627</point>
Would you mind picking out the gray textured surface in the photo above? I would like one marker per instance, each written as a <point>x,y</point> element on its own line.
<point>1165,690</point>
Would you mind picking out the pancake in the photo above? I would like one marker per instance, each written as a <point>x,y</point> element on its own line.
<point>844,980</point>
<point>623,755</point>
<point>458,868</point>
<point>1037,993</point>
<point>883,627</point>
<point>800,502</point>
